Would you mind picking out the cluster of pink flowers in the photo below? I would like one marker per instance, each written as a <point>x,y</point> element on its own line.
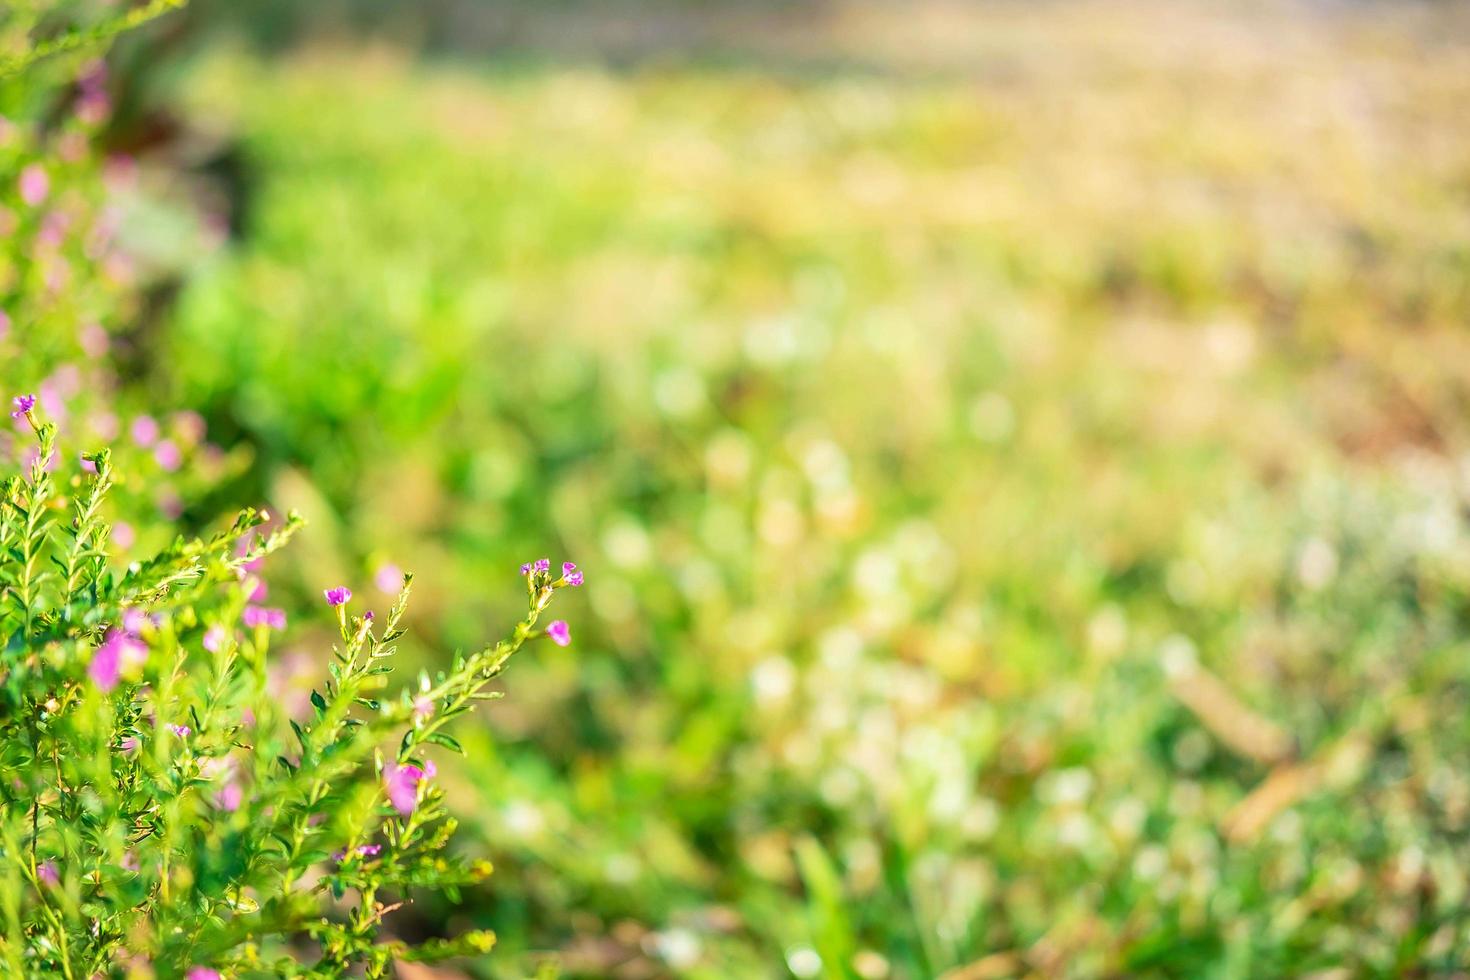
<point>539,570</point>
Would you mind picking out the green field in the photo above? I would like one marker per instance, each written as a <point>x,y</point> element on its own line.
<point>1020,460</point>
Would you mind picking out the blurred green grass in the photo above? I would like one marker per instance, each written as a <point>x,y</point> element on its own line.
<point>1022,492</point>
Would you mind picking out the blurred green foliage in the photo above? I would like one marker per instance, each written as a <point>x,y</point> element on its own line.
<point>1023,507</point>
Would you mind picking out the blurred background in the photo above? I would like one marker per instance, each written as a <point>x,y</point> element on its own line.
<point>1019,454</point>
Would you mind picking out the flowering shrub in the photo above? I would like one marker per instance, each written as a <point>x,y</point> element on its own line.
<point>158,810</point>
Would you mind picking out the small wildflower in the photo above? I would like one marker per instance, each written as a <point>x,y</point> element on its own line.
<point>144,430</point>
<point>214,638</point>
<point>269,617</point>
<point>34,184</point>
<point>134,620</point>
<point>22,405</point>
<point>229,797</point>
<point>363,850</point>
<point>182,731</point>
<point>168,455</point>
<point>123,535</point>
<point>47,873</point>
<point>202,973</point>
<point>543,565</point>
<point>569,573</point>
<point>526,568</point>
<point>403,785</point>
<point>119,653</point>
<point>560,633</point>
<point>389,578</point>
<point>338,596</point>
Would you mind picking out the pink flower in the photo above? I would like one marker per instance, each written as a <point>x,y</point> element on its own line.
<point>134,620</point>
<point>34,184</point>
<point>47,873</point>
<point>256,616</point>
<point>202,973</point>
<point>144,430</point>
<point>168,455</point>
<point>124,535</point>
<point>182,731</point>
<point>403,785</point>
<point>569,573</point>
<point>119,653</point>
<point>559,632</point>
<point>22,405</point>
<point>94,340</point>
<point>214,638</point>
<point>338,596</point>
<point>259,592</point>
<point>103,668</point>
<point>389,578</point>
<point>229,797</point>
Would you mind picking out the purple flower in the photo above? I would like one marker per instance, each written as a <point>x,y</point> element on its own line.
<point>543,564</point>
<point>569,573</point>
<point>574,578</point>
<point>47,873</point>
<point>403,785</point>
<point>257,616</point>
<point>363,850</point>
<point>202,973</point>
<point>338,596</point>
<point>182,731</point>
<point>34,184</point>
<point>559,632</point>
<point>144,430</point>
<point>214,638</point>
<point>22,406</point>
